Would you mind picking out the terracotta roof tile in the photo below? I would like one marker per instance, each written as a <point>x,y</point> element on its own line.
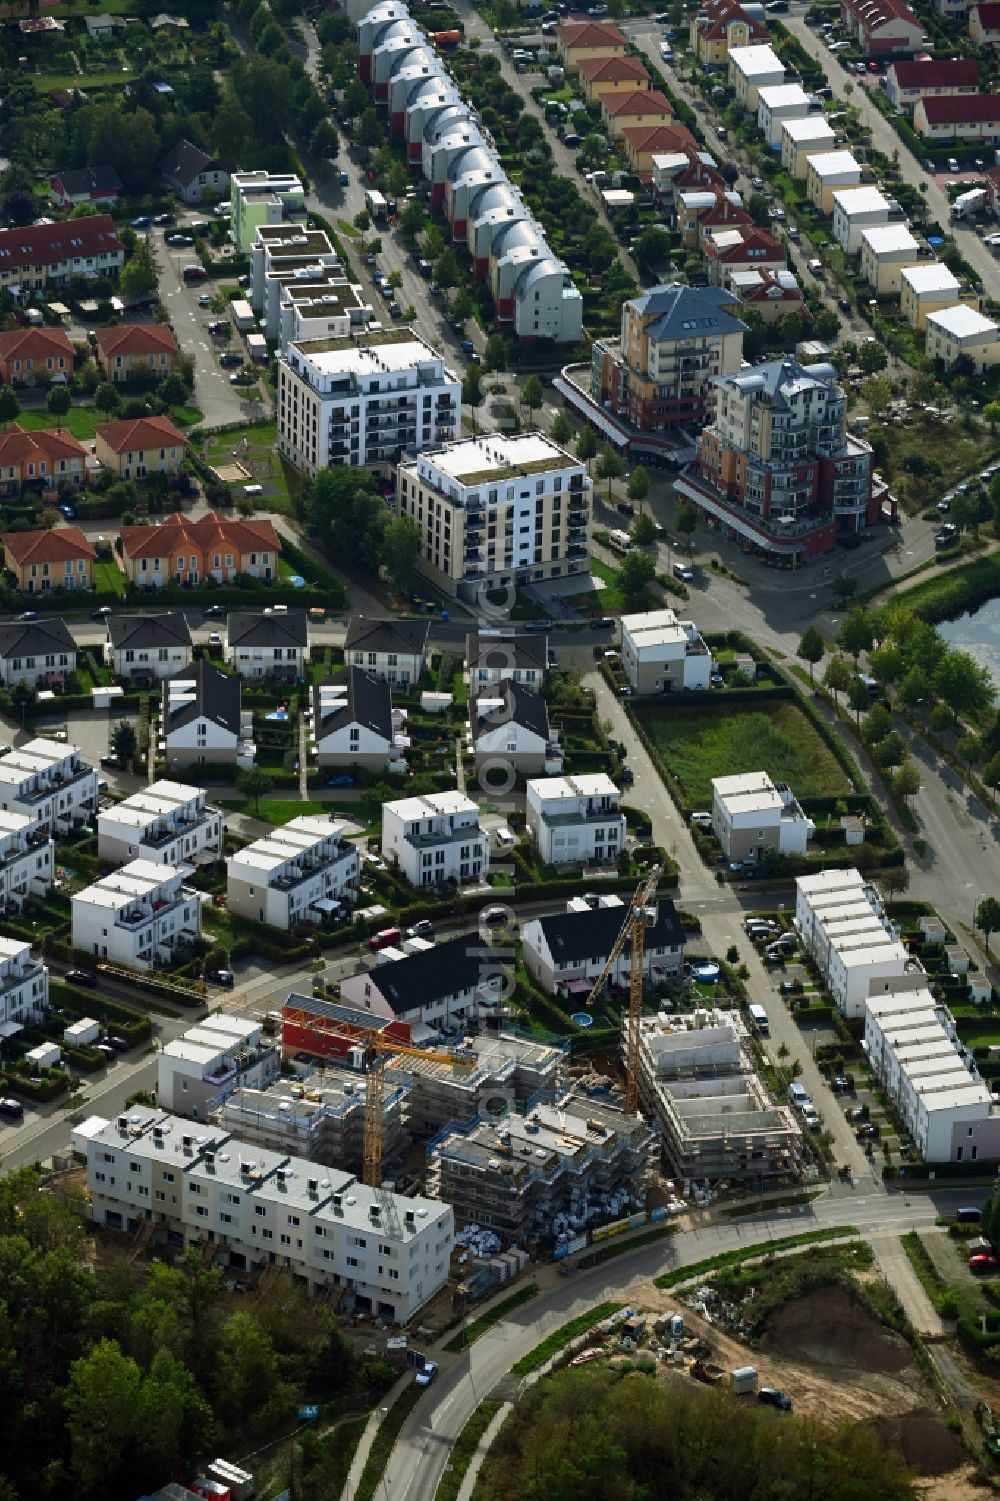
<point>141,432</point>
<point>638,102</point>
<point>211,533</point>
<point>34,344</point>
<point>612,69</point>
<point>53,546</point>
<point>49,244</point>
<point>136,338</point>
<point>18,446</point>
<point>961,109</point>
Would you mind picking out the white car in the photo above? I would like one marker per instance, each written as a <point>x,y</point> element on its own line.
<point>426,1376</point>
<point>666,52</point>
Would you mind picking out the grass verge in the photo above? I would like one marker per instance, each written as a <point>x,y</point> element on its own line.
<point>464,1448</point>
<point>560,1338</point>
<point>790,1201</point>
<point>384,1441</point>
<point>496,1315</point>
<point>619,1247</point>
<point>748,1253</point>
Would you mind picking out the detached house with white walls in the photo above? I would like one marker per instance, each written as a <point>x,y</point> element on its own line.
<point>855,210</point>
<point>491,659</point>
<point>138,916</point>
<point>302,872</point>
<point>435,838</point>
<point>27,861</point>
<point>353,724</point>
<point>752,69</point>
<point>509,729</point>
<point>167,823</point>
<point>566,951</point>
<point>39,652</point>
<point>272,645</point>
<point>751,816</point>
<point>148,646</point>
<point>49,783</point>
<point>661,654</point>
<point>202,721</point>
<point>391,649</point>
<point>24,986</point>
<point>576,820</point>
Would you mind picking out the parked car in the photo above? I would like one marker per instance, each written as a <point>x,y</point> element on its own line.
<point>223,977</point>
<point>142,222</point>
<point>118,1043</point>
<point>81,977</point>
<point>773,1397</point>
<point>27,615</point>
<point>984,1261</point>
<point>12,1108</point>
<point>101,613</point>
<point>493,917</point>
<point>344,779</point>
<point>68,512</point>
<point>230,357</point>
<point>421,929</point>
<point>791,987</point>
<point>111,763</point>
<point>179,240</point>
<point>425,1376</point>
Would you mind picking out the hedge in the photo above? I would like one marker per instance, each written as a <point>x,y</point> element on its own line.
<point>954,593</point>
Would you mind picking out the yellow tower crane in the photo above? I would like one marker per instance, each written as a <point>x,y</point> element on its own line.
<point>641,915</point>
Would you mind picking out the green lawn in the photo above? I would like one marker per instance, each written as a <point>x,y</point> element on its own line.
<point>714,741</point>
<point>186,416</point>
<point>108,578</point>
<point>80,421</point>
<point>103,80</point>
<point>268,468</point>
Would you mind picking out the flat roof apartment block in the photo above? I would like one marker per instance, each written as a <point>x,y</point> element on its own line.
<point>140,916</point>
<point>221,1053</point>
<point>576,820</point>
<point>435,838</point>
<point>49,783</point>
<point>301,872</point>
<point>170,823</point>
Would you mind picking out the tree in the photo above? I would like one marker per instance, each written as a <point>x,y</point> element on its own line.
<point>942,720</point>
<point>10,407</point>
<point>412,219</point>
<point>362,221</point>
<point>58,400</point>
<point>969,748</point>
<point>872,357</point>
<point>256,783</point>
<point>915,688</point>
<point>991,775</point>
<point>837,676</point>
<point>890,751</point>
<point>886,664</point>
<point>857,633</point>
<point>638,484</point>
<point>643,530</point>
<point>495,353</point>
<point>844,588</point>
<point>652,246</point>
<point>102,1417</point>
<point>964,512</point>
<point>758,209</point>
<point>922,387</point>
<point>138,275</point>
<point>106,397</point>
<point>686,520</point>
<point>369,131</point>
<point>561,430</point>
<point>812,648</point>
<point>878,723</point>
<point>906,782</point>
<point>987,918</point>
<point>472,388</point>
<point>859,699</point>
<point>532,394</point>
<point>586,443</point>
<point>400,551</point>
<point>964,683</point>
<point>610,466</point>
<point>123,742</point>
<point>876,392</point>
<point>894,880</point>
<point>637,571</point>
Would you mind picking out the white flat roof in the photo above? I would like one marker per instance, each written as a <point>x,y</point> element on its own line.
<point>807,128</point>
<point>134,881</point>
<point>889,239</point>
<point>595,784</point>
<point>656,627</point>
<point>830,163</point>
<point>777,95</point>
<point>963,322</point>
<point>497,451</point>
<point>828,880</point>
<point>373,357</point>
<point>860,201</point>
<point>932,276</point>
<point>431,805</point>
<point>11,947</point>
<point>876,953</point>
<point>752,62</point>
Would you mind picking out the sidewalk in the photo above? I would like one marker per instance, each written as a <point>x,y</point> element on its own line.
<point>368,1437</point>
<point>898,1272</point>
<point>471,1475</point>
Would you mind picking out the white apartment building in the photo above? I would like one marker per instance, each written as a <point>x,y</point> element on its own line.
<point>914,1051</point>
<point>856,209</point>
<point>496,511</point>
<point>828,172</point>
<point>284,257</point>
<point>198,1070</point>
<point>962,333</point>
<point>137,916</point>
<point>27,861</point>
<point>575,820</point>
<point>842,923</point>
<point>567,951</point>
<point>323,306</point>
<point>661,654</point>
<point>202,721</point>
<point>885,251</point>
<point>750,816</point>
<point>149,646</point>
<point>169,823</point>
<point>24,986</point>
<point>302,872</point>
<point>752,69</point>
<point>435,838</point>
<point>363,401</point>
<point>778,102</point>
<point>265,1209</point>
<point>48,783</point>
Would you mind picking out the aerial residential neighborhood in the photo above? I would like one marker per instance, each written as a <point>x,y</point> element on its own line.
<point>499,750</point>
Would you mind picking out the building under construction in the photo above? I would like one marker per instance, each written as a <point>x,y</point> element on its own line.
<point>560,1167</point>
<point>717,1120</point>
<point>509,1071</point>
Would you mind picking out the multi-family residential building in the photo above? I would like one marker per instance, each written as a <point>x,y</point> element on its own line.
<point>960,337</point>
<point>960,117</point>
<point>533,289</point>
<point>353,724</point>
<point>24,986</point>
<point>984,24</point>
<point>263,1209</point>
<point>363,401</point>
<point>576,820</point>
<point>827,173</point>
<point>148,646</point>
<point>842,924</point>
<point>62,558</point>
<point>49,783</point>
<point>882,27</point>
<point>855,210</point>
<point>751,817</point>
<point>644,145</point>
<point>926,289</point>
<point>302,872</point>
<point>36,652</point>
<point>198,1070</point>
<point>202,721</point>
<point>390,649</point>
<point>263,198</point>
<point>752,69</point>
<point>675,341</point>
<point>580,41</point>
<point>777,103</point>
<point>886,251</point>
<point>320,307</point>
<point>495,511</point>
<point>661,654</point>
<point>509,730</point>
<point>633,108</point>
<point>777,467</point>
<point>28,355</point>
<point>568,950</point>
<point>774,294</point>
<point>188,550</point>
<point>601,76</point>
<point>442,986</point>
<point>139,916</point>
<point>271,645</point>
<point>192,174</point>
<point>140,446</point>
<point>491,659</point>
<point>49,255</point>
<point>719,25</point>
<point>435,838</point>
<point>27,861</point>
<point>730,251</point>
<point>801,138</point>
<point>136,351</point>
<point>167,823</point>
<point>281,255</point>
<point>908,82</point>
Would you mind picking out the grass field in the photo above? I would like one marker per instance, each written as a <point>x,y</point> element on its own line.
<point>260,455</point>
<point>109,579</point>
<point>80,421</point>
<point>699,744</point>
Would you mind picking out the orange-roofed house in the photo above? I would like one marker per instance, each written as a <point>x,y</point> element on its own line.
<point>28,355</point>
<point>721,24</point>
<point>136,351</point>
<point>580,40</point>
<point>643,142</point>
<point>138,446</point>
<point>42,561</point>
<point>637,107</point>
<point>48,458</point>
<point>601,76</point>
<point>181,550</point>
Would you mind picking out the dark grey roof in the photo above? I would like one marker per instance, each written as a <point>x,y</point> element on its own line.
<point>781,380</point>
<point>408,637</point>
<point>507,651</point>
<point>90,180</point>
<point>368,703</point>
<point>679,312</point>
<point>148,632</point>
<point>518,705</point>
<point>217,697</point>
<point>592,934</point>
<point>421,979</point>
<point>267,630</point>
<point>185,161</point>
<point>35,638</point>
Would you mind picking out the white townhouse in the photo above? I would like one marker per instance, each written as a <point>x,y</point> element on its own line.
<point>148,646</point>
<point>202,722</point>
<point>167,823</point>
<point>751,816</point>
<point>24,986</point>
<point>566,951</point>
<point>752,69</point>
<point>926,289</point>
<point>272,645</point>
<point>854,210</point>
<point>827,173</point>
<point>39,652</point>
<point>27,861</point>
<point>962,333</point>
<point>137,916</point>
<point>261,1209</point>
<point>391,649</point>
<point>841,922</point>
<point>661,654</point>
<point>441,986</point>
<point>498,657</point>
<point>302,872</point>
<point>435,838</point>
<point>778,102</point>
<point>886,251</point>
<point>510,735</point>
<point>202,1067</point>
<point>48,783</point>
<point>801,138</point>
<point>576,820</point>
<point>354,724</point>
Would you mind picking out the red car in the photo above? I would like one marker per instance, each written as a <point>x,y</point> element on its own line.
<point>984,1261</point>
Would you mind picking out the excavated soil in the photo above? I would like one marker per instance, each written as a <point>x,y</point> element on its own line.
<point>926,1443</point>
<point>830,1328</point>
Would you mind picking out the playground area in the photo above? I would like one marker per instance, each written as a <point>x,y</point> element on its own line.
<point>249,457</point>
